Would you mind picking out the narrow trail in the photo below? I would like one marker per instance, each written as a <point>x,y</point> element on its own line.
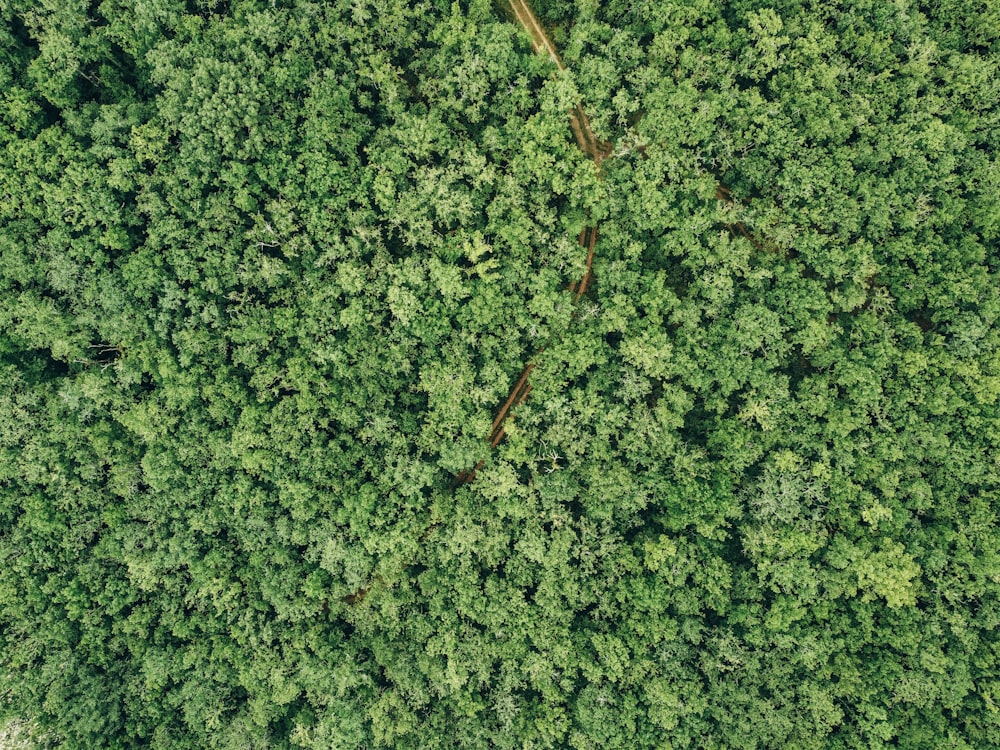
<point>539,39</point>
<point>587,239</point>
<point>580,124</point>
<point>598,151</point>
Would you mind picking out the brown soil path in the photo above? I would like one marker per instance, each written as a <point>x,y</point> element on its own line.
<point>585,138</point>
<point>596,150</point>
<point>518,395</point>
<point>587,239</point>
<point>539,39</point>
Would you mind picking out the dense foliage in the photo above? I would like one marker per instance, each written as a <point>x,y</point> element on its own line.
<point>268,268</point>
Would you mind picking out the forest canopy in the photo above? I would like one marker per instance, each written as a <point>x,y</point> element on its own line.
<point>397,373</point>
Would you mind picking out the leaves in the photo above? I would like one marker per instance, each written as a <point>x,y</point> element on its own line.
<point>267,271</point>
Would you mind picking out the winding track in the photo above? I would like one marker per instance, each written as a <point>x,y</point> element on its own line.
<point>579,122</point>
<point>596,150</point>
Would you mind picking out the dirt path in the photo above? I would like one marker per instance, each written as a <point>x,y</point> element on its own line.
<point>539,39</point>
<point>587,239</point>
<point>596,150</point>
<point>580,124</point>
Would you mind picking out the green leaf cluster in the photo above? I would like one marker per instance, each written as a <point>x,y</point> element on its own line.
<point>268,268</point>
